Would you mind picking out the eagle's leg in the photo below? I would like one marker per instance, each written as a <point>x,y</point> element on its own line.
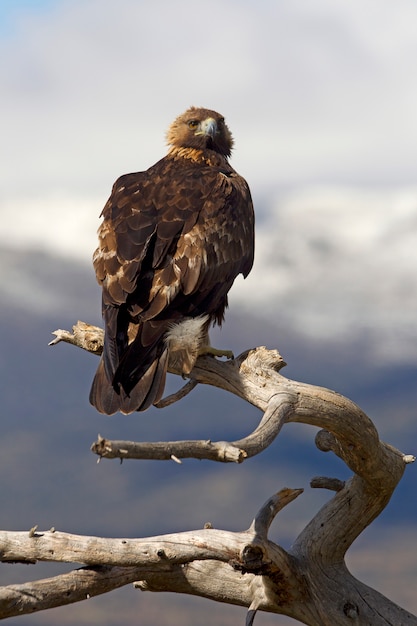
<point>215,352</point>
<point>186,341</point>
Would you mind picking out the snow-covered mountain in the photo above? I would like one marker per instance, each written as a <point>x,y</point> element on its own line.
<point>334,262</point>
<point>331,263</point>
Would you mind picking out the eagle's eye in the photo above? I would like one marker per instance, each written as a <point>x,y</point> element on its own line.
<point>193,124</point>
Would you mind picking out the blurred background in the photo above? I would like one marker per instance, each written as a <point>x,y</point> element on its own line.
<point>321,99</point>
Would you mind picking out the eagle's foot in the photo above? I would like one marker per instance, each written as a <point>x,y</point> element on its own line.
<point>209,350</point>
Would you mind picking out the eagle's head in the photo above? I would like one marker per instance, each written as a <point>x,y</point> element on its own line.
<point>200,129</point>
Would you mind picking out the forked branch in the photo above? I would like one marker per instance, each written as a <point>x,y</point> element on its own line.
<point>310,582</point>
<point>151,562</point>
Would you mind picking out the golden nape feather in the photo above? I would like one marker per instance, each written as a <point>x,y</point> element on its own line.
<point>172,241</point>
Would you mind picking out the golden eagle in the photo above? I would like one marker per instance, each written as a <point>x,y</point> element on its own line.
<point>172,241</point>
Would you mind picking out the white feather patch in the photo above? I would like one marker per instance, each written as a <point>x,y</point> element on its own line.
<point>184,341</point>
<point>189,332</point>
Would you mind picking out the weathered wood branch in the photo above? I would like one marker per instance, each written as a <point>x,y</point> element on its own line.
<point>310,582</point>
<point>255,377</point>
<point>116,562</point>
<point>75,586</point>
<point>243,568</point>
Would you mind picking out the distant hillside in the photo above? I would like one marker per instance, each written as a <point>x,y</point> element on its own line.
<point>50,478</point>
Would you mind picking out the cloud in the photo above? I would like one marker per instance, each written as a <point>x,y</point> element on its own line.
<point>320,99</point>
<point>314,92</point>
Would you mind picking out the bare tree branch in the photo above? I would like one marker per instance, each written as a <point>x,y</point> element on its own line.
<point>310,582</point>
<point>75,586</point>
<point>148,560</point>
<point>165,451</point>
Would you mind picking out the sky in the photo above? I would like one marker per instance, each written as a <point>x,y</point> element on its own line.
<point>315,91</point>
<point>320,95</point>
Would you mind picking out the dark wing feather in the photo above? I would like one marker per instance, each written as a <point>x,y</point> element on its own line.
<point>172,241</point>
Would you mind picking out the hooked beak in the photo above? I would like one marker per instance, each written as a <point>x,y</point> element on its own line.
<point>208,127</point>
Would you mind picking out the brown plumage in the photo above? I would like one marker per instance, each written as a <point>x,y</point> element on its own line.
<point>172,241</point>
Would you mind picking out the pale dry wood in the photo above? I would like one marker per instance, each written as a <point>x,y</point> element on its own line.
<point>83,336</point>
<point>76,586</point>
<point>310,582</point>
<point>251,563</point>
<point>222,451</point>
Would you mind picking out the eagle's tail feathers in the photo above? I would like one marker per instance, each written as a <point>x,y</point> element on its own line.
<point>151,386</point>
<point>108,398</point>
<point>111,350</point>
<point>103,396</point>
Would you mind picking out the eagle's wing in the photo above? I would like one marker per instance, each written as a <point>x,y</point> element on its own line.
<point>172,241</point>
